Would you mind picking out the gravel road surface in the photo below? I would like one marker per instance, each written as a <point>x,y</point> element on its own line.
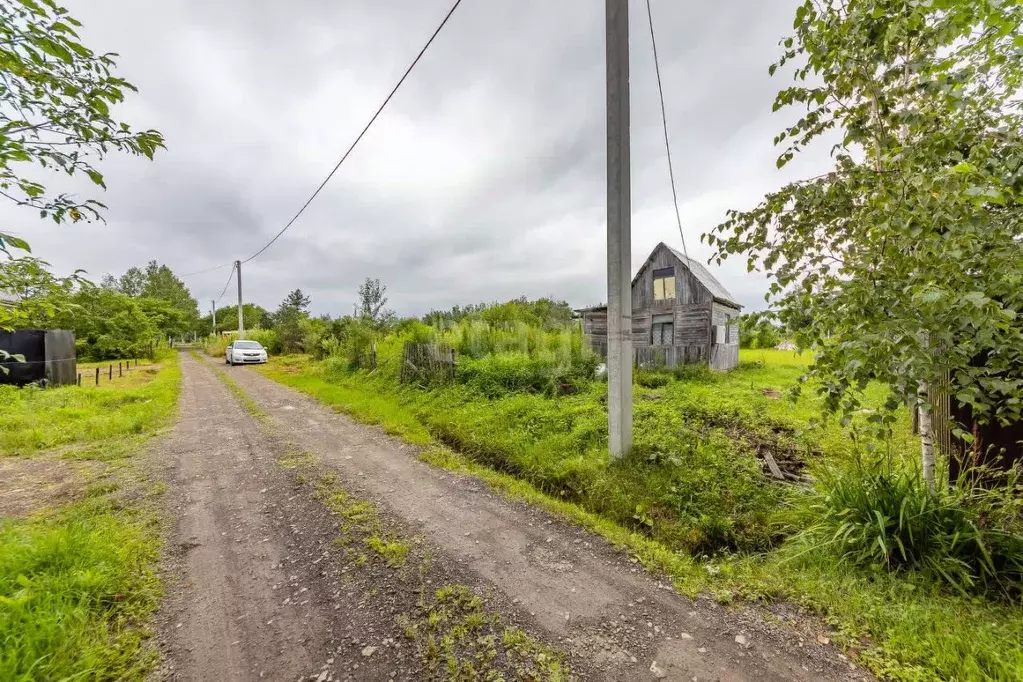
<point>261,589</point>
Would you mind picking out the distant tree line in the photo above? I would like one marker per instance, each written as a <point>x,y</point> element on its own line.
<point>123,317</point>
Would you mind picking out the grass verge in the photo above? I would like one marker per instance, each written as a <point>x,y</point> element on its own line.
<point>900,628</point>
<point>76,589</point>
<point>96,420</point>
<point>78,583</point>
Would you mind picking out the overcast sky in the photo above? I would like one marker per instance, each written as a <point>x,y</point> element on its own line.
<point>483,180</point>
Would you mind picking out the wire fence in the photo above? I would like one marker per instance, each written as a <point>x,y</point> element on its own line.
<point>72,374</point>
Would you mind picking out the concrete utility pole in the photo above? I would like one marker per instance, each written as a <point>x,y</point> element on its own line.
<point>619,231</point>
<point>214,304</point>
<point>241,320</point>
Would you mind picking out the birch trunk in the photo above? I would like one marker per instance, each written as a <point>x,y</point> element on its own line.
<point>926,438</point>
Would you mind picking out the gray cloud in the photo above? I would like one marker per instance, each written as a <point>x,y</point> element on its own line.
<point>483,180</point>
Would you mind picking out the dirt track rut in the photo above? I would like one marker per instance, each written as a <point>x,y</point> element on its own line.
<point>244,533</point>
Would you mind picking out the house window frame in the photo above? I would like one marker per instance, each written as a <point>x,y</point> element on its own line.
<point>662,291</point>
<point>657,329</point>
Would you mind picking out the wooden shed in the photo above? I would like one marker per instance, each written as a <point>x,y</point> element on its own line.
<point>680,314</point>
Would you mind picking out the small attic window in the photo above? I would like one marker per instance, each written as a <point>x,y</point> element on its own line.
<point>664,284</point>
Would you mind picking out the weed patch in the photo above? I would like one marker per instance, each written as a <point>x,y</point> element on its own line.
<point>390,549</point>
<point>458,639</point>
<point>237,391</point>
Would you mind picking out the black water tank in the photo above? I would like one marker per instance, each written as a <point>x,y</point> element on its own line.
<point>49,357</point>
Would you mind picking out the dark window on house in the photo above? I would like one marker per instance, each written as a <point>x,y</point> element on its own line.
<point>664,284</point>
<point>662,331</point>
<point>728,328</point>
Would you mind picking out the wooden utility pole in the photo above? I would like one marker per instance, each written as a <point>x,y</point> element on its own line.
<point>241,320</point>
<point>619,232</point>
<point>214,308</point>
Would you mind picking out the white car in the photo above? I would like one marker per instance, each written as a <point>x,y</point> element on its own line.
<point>245,353</point>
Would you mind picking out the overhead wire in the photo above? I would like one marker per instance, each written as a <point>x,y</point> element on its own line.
<point>229,278</point>
<point>664,121</point>
<point>199,272</point>
<point>361,134</point>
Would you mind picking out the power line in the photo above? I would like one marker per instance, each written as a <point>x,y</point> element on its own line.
<point>364,130</point>
<point>199,272</point>
<point>664,121</point>
<point>229,278</point>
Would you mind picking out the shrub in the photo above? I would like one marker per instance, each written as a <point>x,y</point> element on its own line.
<point>216,345</point>
<point>698,372</point>
<point>509,372</point>
<point>357,343</point>
<point>267,338</point>
<point>415,331</point>
<point>652,379</point>
<point>970,539</point>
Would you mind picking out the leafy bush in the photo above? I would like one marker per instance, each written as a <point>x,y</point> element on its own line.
<point>267,338</point>
<point>968,538</point>
<point>415,331</point>
<point>652,379</point>
<point>699,372</point>
<point>510,372</point>
<point>545,313</point>
<point>217,345</point>
<point>358,341</point>
<point>757,331</point>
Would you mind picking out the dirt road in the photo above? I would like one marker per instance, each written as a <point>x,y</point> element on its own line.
<point>267,591</point>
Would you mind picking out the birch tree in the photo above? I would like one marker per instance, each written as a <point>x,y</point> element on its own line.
<point>56,101</point>
<point>903,263</point>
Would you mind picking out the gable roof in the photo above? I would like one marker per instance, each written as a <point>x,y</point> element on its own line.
<point>716,288</point>
<point>702,274</point>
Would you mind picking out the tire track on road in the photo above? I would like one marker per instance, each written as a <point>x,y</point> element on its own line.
<point>582,592</point>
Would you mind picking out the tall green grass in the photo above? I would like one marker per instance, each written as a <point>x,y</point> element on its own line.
<point>77,584</point>
<point>136,405</point>
<point>879,518</point>
<point>75,591</point>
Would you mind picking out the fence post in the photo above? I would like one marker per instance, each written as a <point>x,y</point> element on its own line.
<point>110,373</point>
<point>120,371</point>
<point>97,376</point>
<point>79,378</point>
<point>373,356</point>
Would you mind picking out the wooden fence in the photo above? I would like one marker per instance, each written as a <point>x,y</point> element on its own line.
<point>423,363</point>
<point>722,356</point>
<point>367,360</point>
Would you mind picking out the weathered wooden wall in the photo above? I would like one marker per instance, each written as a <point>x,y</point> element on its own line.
<point>688,288</point>
<point>724,356</point>
<point>595,324</point>
<point>725,315</point>
<point>695,313</point>
<point>668,357</point>
<point>692,324</point>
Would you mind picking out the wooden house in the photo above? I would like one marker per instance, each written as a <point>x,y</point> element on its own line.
<point>680,313</point>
